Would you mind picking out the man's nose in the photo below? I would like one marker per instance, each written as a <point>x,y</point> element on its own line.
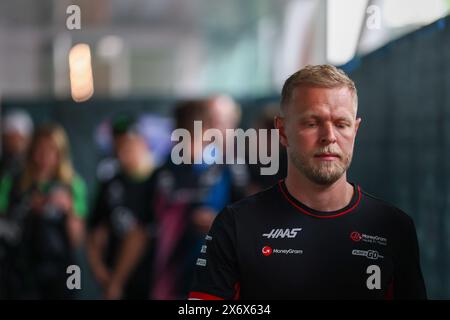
<point>327,134</point>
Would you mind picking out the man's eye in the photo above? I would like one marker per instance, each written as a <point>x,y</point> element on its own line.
<point>342,125</point>
<point>311,124</point>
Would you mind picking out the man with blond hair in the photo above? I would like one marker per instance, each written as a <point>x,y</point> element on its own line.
<point>314,235</point>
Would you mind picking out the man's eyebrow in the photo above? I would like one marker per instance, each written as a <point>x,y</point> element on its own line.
<point>343,118</point>
<point>310,116</point>
<point>314,116</point>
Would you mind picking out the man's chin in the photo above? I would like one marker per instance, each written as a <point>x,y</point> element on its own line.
<point>325,178</point>
<point>324,181</point>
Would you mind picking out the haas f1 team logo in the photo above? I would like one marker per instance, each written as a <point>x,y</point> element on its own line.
<point>282,233</point>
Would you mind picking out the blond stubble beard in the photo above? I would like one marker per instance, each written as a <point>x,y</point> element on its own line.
<point>324,172</point>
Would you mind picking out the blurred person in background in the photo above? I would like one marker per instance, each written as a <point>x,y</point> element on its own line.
<point>259,182</point>
<point>186,199</point>
<point>120,225</point>
<point>46,203</point>
<point>225,114</point>
<point>17,128</point>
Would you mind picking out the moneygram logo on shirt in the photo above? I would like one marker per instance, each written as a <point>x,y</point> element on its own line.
<point>357,236</point>
<point>282,233</point>
<point>267,251</point>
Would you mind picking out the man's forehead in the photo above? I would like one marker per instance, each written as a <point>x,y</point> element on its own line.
<point>128,137</point>
<point>307,99</point>
<point>321,93</point>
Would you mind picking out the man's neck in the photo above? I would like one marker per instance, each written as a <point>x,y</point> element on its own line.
<point>319,197</point>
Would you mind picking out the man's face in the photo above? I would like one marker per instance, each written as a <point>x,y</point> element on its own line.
<point>15,143</point>
<point>130,149</point>
<point>319,129</point>
<point>224,114</point>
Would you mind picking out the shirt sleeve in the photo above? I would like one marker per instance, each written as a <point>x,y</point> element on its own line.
<point>79,197</point>
<point>216,275</point>
<point>5,189</point>
<point>408,278</point>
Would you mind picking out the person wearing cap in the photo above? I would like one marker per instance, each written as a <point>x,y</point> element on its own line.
<point>16,131</point>
<point>119,227</point>
<point>17,128</point>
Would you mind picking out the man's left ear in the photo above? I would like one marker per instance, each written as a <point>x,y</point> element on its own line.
<point>279,124</point>
<point>357,123</point>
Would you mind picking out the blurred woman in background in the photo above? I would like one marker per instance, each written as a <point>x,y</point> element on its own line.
<point>47,202</point>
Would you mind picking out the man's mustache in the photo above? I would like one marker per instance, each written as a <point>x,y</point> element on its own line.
<point>328,151</point>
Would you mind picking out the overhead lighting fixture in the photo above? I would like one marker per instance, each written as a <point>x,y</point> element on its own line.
<point>81,79</point>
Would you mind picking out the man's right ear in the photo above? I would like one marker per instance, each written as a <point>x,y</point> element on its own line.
<point>279,123</point>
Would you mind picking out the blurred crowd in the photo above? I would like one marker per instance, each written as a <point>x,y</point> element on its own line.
<point>146,225</point>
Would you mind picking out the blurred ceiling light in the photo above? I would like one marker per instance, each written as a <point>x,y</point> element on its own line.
<point>401,13</point>
<point>81,80</point>
<point>109,47</point>
<point>344,21</point>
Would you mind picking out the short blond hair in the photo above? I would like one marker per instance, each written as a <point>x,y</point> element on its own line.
<point>324,75</point>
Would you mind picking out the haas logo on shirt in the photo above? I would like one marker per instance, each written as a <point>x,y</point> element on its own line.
<point>282,233</point>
